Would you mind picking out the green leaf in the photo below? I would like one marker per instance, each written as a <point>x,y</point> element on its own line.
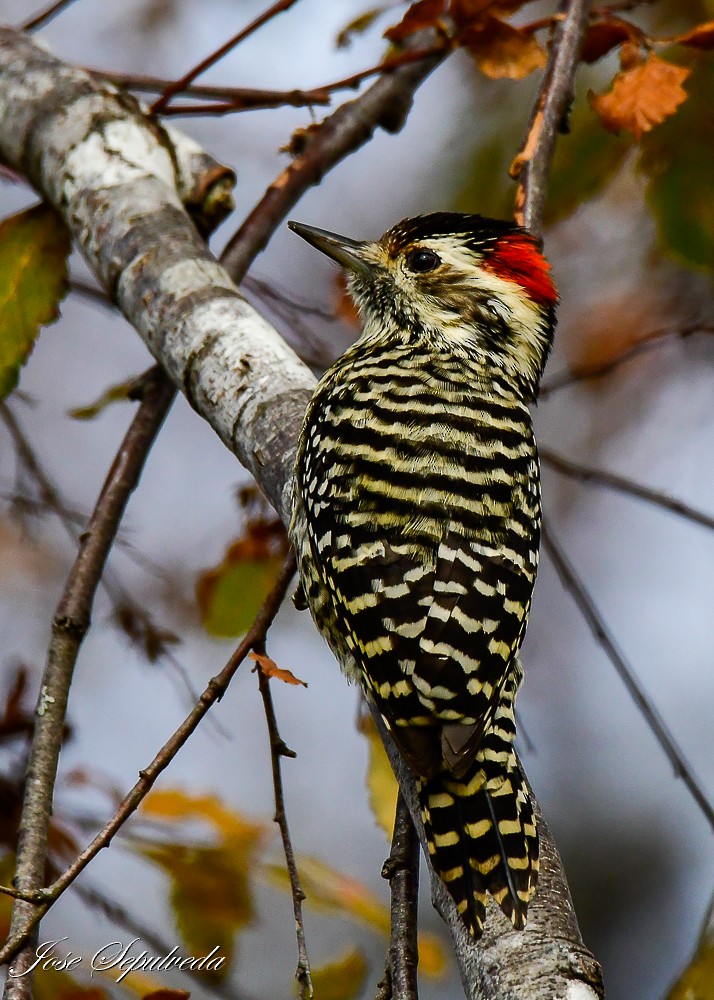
<point>34,246</point>
<point>342,979</point>
<point>677,159</point>
<point>231,594</point>
<point>119,393</point>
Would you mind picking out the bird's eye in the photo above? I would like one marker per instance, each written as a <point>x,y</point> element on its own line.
<point>422,260</point>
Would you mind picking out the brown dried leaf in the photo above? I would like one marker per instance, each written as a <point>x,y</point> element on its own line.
<point>423,14</point>
<point>465,12</point>
<point>502,51</point>
<point>271,669</point>
<point>641,97</point>
<point>701,37</point>
<point>603,36</point>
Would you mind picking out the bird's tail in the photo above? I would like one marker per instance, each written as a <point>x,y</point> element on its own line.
<point>482,834</point>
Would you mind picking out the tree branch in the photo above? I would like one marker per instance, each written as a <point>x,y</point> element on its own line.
<point>574,585</point>
<point>401,869</point>
<point>235,369</point>
<point>69,627</point>
<point>278,749</point>
<point>213,692</point>
<point>621,484</point>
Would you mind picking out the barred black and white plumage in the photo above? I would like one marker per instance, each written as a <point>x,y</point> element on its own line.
<point>417,521</point>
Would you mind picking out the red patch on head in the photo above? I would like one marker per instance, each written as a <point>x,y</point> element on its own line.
<point>518,259</point>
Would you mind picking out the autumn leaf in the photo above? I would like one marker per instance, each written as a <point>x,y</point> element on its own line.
<point>271,669</point>
<point>466,12</point>
<point>603,36</point>
<point>173,804</point>
<point>342,979</point>
<point>641,97</point>
<point>33,280</point>
<point>502,51</point>
<point>701,37</point>
<point>381,783</point>
<point>231,594</point>
<point>331,891</point>
<point>423,14</point>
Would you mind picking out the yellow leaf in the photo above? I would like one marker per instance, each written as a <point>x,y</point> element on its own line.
<point>271,669</point>
<point>697,980</point>
<point>342,979</point>
<point>381,783</point>
<point>33,280</point>
<point>500,50</point>
<point>211,894</point>
<point>175,804</point>
<point>330,891</point>
<point>641,97</point>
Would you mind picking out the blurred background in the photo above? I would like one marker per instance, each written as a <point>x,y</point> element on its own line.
<point>637,850</point>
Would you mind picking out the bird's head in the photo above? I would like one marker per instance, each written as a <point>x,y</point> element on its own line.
<point>471,285</point>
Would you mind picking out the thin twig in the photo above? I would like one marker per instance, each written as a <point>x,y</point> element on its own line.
<point>587,607</point>
<point>601,477</point>
<point>70,625</point>
<point>242,98</point>
<point>214,691</point>
<point>386,104</point>
<point>277,8</point>
<point>644,344</point>
<point>278,749</point>
<point>532,164</point>
<point>40,20</point>
<point>402,870</point>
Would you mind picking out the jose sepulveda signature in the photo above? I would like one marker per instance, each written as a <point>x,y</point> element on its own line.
<point>123,958</point>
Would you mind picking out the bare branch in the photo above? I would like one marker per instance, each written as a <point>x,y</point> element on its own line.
<point>213,692</point>
<point>277,8</point>
<point>278,749</point>
<point>532,164</point>
<point>40,20</point>
<point>69,627</point>
<point>601,477</point>
<point>643,345</point>
<point>401,869</point>
<point>574,585</point>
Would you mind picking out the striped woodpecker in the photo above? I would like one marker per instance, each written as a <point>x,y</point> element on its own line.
<point>417,523</point>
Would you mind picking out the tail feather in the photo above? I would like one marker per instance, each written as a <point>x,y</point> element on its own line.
<point>482,835</point>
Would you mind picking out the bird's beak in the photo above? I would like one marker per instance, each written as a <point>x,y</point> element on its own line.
<point>349,254</point>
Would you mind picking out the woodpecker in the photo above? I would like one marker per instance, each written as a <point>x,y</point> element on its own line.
<point>417,523</point>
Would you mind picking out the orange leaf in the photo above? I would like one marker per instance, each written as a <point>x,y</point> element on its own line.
<point>423,14</point>
<point>603,36</point>
<point>500,50</point>
<point>641,97</point>
<point>271,669</point>
<point>701,37</point>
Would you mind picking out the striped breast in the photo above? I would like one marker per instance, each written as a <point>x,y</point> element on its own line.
<point>417,529</point>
